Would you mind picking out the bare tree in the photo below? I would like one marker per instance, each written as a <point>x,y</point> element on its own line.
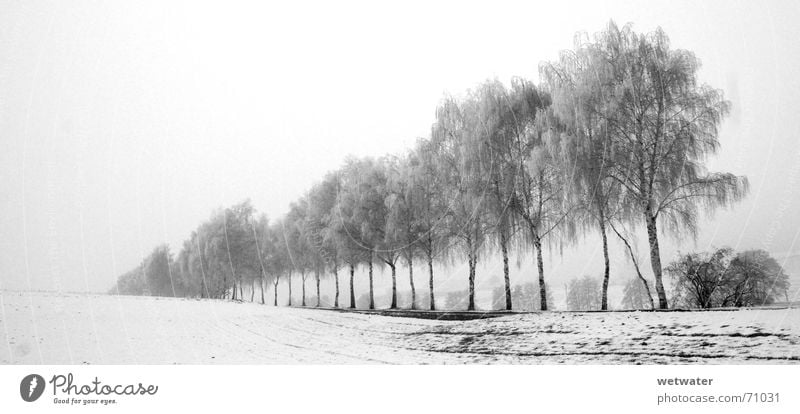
<point>663,126</point>
<point>427,187</point>
<point>454,135</point>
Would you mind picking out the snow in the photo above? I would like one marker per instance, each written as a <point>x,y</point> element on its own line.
<point>59,328</point>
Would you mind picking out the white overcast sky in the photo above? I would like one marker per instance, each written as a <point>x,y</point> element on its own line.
<point>124,123</point>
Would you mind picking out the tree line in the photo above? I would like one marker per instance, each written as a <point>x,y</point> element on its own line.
<point>613,138</point>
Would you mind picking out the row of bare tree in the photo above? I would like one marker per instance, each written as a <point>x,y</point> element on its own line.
<point>613,137</point>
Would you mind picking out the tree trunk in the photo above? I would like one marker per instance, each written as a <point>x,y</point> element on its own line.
<point>203,292</point>
<point>275,291</point>
<point>262,289</point>
<point>504,250</point>
<point>430,282</point>
<point>316,276</point>
<point>607,269</point>
<point>371,295</point>
<point>394,286</point>
<point>336,279</point>
<point>303,289</point>
<point>233,290</point>
<point>471,305</point>
<point>411,280</point>
<point>537,243</point>
<point>241,292</point>
<point>253,291</point>
<point>352,292</point>
<point>655,259</point>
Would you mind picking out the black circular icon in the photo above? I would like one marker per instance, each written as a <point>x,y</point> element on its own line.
<point>31,387</point>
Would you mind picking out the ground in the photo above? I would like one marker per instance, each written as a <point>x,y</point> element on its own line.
<point>57,328</point>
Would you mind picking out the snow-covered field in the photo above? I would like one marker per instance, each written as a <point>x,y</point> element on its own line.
<point>54,328</point>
